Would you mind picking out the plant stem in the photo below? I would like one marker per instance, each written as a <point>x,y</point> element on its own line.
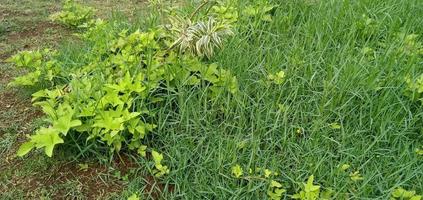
<point>198,9</point>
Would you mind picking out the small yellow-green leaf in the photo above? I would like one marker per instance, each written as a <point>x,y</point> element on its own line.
<point>309,186</point>
<point>142,150</point>
<point>335,126</point>
<point>275,184</point>
<point>401,193</point>
<point>157,157</point>
<point>133,197</point>
<point>344,167</point>
<point>267,173</point>
<point>237,171</point>
<point>83,166</point>
<point>356,176</point>
<point>282,107</point>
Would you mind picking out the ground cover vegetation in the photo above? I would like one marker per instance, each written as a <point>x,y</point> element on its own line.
<point>235,99</point>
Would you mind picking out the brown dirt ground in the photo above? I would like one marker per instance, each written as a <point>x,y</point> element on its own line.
<point>94,182</point>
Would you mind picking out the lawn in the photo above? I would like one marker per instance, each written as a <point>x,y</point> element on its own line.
<point>193,99</point>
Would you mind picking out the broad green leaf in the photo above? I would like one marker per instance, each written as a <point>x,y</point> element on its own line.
<point>47,109</point>
<point>64,123</point>
<point>47,138</point>
<point>26,80</point>
<point>108,122</point>
<point>141,130</point>
<point>46,93</point>
<point>25,148</point>
<point>132,124</point>
<point>211,74</point>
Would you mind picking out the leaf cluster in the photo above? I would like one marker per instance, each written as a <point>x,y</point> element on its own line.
<point>73,15</point>
<point>109,101</point>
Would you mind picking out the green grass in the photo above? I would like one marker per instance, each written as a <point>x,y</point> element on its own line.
<point>329,80</point>
<point>319,44</point>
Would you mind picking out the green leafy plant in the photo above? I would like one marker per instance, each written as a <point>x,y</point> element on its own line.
<point>262,11</point>
<point>107,103</point>
<point>237,171</point>
<point>335,125</point>
<point>356,176</point>
<point>410,45</point>
<point>73,14</point>
<point>160,169</point>
<point>275,191</point>
<point>40,65</point>
<point>344,167</point>
<point>105,108</point>
<point>277,78</point>
<point>313,192</point>
<point>201,37</point>
<point>367,26</point>
<point>225,13</point>
<point>134,197</point>
<point>414,88</point>
<point>309,190</point>
<point>401,193</point>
